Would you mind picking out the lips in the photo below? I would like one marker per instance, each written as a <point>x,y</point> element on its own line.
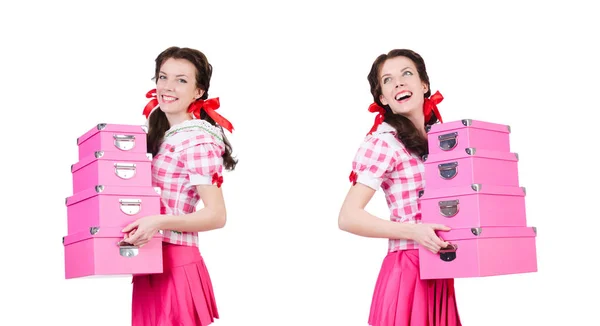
<point>403,96</point>
<point>168,99</point>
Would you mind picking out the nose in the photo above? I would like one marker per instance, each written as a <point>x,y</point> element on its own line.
<point>399,83</point>
<point>165,85</point>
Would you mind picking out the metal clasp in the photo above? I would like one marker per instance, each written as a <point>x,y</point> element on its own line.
<point>130,206</point>
<point>448,170</point>
<point>448,142</point>
<point>126,249</point>
<point>124,142</point>
<point>125,170</point>
<point>449,208</point>
<point>448,253</point>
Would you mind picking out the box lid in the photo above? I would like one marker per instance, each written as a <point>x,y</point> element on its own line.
<point>468,123</point>
<point>117,128</point>
<point>488,232</point>
<point>99,232</point>
<point>471,152</point>
<point>111,156</point>
<point>101,190</point>
<point>473,189</point>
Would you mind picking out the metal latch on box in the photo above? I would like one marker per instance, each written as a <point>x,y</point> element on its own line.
<point>124,142</point>
<point>126,249</point>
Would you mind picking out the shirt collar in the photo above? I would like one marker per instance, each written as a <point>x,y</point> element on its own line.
<point>384,127</point>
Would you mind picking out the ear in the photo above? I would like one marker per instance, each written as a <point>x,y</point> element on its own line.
<point>198,94</point>
<point>383,100</point>
<point>425,88</point>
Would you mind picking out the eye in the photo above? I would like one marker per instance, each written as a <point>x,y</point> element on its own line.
<point>162,77</point>
<point>183,81</point>
<point>407,73</point>
<point>386,79</point>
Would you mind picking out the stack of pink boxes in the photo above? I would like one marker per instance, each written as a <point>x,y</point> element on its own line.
<point>472,186</point>
<point>112,187</point>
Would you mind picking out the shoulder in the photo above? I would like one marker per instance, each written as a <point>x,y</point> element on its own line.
<point>384,147</point>
<point>377,149</point>
<point>388,135</point>
<point>194,133</point>
<point>382,139</point>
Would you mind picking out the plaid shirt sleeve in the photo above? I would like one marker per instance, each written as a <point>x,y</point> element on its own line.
<point>203,162</point>
<point>373,160</point>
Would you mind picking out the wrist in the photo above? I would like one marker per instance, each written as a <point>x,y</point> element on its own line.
<point>409,231</point>
<point>161,221</point>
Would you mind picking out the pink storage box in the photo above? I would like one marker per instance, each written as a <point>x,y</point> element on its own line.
<point>458,135</point>
<point>100,252</point>
<point>112,137</point>
<point>469,166</point>
<point>114,169</point>
<point>481,205</point>
<point>110,206</point>
<point>481,251</point>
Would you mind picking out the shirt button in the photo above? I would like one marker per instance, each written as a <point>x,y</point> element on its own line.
<point>172,149</point>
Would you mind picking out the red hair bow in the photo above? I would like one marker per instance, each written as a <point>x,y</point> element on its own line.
<point>379,118</point>
<point>209,106</point>
<point>430,106</point>
<point>152,104</point>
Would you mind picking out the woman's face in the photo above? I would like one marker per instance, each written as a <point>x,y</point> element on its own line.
<point>176,86</point>
<point>401,86</point>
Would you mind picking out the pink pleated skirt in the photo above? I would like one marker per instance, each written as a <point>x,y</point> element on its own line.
<point>401,298</point>
<point>181,295</point>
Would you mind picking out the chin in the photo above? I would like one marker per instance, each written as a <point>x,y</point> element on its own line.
<point>167,109</point>
<point>403,111</point>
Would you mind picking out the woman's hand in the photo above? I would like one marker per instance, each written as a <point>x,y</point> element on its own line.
<point>142,230</point>
<point>424,234</point>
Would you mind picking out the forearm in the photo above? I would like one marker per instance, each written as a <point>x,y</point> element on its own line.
<point>205,219</point>
<point>360,222</point>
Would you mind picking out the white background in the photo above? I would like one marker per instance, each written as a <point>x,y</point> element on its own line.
<point>292,79</point>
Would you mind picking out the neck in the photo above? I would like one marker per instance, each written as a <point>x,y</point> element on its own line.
<point>177,119</point>
<point>419,121</point>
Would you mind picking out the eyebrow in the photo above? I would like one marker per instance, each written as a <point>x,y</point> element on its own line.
<point>162,72</point>
<point>405,68</point>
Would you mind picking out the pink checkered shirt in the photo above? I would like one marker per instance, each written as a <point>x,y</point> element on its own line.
<point>190,155</point>
<point>383,161</point>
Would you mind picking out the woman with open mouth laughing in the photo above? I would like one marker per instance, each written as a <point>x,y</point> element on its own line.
<point>190,152</point>
<point>390,158</point>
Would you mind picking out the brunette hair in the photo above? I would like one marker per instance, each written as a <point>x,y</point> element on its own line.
<point>158,123</point>
<point>406,131</point>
